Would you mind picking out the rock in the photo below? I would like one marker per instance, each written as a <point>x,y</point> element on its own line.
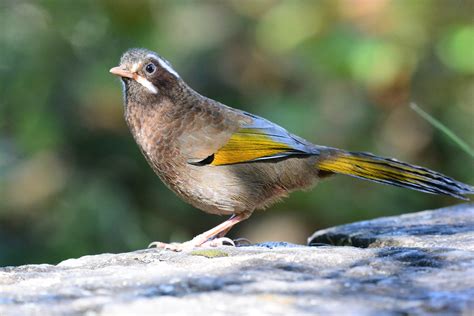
<point>450,227</point>
<point>420,263</point>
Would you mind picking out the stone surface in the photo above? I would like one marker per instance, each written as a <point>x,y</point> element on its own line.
<point>450,227</point>
<point>420,263</point>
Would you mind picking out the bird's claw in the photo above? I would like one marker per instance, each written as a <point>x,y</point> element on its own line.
<point>217,242</point>
<point>242,242</point>
<point>195,242</point>
<point>161,245</point>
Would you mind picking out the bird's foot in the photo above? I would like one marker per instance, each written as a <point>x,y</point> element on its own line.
<point>163,245</point>
<point>211,238</point>
<point>195,242</point>
<point>217,242</point>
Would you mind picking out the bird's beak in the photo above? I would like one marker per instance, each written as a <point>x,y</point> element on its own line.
<point>118,71</point>
<point>124,73</point>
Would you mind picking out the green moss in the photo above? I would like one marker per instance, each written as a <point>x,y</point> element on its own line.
<point>210,253</point>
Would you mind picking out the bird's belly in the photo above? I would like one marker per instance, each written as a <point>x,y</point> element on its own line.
<point>233,189</point>
<point>215,190</point>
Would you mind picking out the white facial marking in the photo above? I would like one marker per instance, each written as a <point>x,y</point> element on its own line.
<point>134,67</point>
<point>164,64</point>
<point>147,84</point>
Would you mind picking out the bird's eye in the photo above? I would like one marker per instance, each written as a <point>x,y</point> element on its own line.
<point>150,68</point>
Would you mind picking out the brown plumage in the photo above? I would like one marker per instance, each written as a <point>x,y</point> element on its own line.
<point>228,162</point>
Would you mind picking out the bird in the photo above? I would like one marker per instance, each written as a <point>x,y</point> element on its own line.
<point>226,161</point>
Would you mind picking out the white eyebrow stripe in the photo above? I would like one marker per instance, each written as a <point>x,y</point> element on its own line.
<point>147,84</point>
<point>164,64</point>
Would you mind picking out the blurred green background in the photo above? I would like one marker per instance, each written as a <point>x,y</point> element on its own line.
<point>338,73</point>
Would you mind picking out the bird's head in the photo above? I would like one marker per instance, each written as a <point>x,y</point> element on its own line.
<point>146,74</point>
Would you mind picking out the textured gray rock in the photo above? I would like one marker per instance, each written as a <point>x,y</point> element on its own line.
<point>450,227</point>
<point>420,263</point>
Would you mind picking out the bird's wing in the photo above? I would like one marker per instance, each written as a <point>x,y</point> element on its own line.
<point>257,139</point>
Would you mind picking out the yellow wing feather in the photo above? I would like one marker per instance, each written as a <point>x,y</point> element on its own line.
<point>247,145</point>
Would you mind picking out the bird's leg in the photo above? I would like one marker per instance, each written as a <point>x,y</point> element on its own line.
<point>224,232</point>
<point>216,236</point>
<point>213,237</point>
<point>221,240</point>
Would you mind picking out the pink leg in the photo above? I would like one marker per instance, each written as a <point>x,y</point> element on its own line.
<point>217,232</point>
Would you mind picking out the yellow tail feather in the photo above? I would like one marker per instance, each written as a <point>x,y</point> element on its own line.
<point>393,172</point>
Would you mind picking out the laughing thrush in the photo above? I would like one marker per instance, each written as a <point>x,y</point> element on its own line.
<point>229,162</point>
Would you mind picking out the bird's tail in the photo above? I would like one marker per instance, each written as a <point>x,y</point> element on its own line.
<point>391,171</point>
